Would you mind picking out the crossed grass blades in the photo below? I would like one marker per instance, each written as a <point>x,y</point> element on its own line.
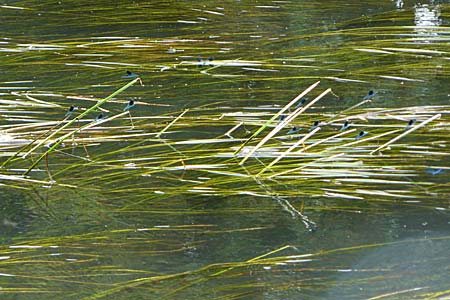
<point>352,154</point>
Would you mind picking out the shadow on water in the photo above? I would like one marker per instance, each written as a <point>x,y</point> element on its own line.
<point>153,200</point>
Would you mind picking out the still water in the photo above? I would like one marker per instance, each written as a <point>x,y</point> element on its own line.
<point>109,233</point>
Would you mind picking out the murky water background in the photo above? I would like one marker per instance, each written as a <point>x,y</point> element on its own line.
<point>98,241</point>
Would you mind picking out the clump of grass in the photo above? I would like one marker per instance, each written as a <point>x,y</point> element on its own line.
<point>196,144</point>
<point>63,125</point>
<point>148,173</point>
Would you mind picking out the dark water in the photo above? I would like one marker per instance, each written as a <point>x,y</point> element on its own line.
<point>111,232</point>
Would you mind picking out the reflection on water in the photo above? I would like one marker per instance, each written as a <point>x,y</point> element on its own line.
<point>427,19</point>
<point>399,3</point>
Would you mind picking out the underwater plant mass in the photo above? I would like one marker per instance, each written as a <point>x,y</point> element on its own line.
<point>237,150</point>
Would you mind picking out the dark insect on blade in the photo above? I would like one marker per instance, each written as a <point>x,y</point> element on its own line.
<point>130,105</point>
<point>369,95</point>
<point>361,134</point>
<point>345,126</point>
<point>201,62</point>
<point>301,103</point>
<point>282,118</point>
<point>410,123</point>
<point>315,125</point>
<point>293,130</point>
<point>70,111</point>
<point>130,75</point>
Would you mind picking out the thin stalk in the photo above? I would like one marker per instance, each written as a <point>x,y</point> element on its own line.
<point>228,133</point>
<point>327,139</point>
<point>437,116</point>
<point>348,109</point>
<point>203,279</point>
<point>329,150</point>
<point>171,123</point>
<point>131,119</point>
<point>64,137</point>
<point>92,108</point>
<point>67,135</point>
<point>301,141</point>
<point>29,144</point>
<point>306,165</point>
<point>283,124</point>
<point>296,99</point>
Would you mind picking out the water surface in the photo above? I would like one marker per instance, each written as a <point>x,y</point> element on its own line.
<point>127,219</point>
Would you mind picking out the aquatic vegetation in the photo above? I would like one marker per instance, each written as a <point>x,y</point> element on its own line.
<point>193,153</point>
<point>222,187</point>
<point>313,158</point>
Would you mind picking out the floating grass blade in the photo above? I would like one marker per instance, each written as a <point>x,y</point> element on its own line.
<point>386,295</point>
<point>301,141</point>
<point>327,139</point>
<point>228,133</point>
<point>257,258</point>
<point>140,281</point>
<point>282,124</point>
<point>348,109</point>
<point>226,270</point>
<point>60,140</point>
<point>299,97</point>
<point>92,108</point>
<point>15,155</point>
<point>358,141</point>
<point>326,158</point>
<point>171,123</point>
<point>67,135</point>
<point>437,116</point>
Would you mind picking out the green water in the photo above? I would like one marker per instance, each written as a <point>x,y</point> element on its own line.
<point>110,230</point>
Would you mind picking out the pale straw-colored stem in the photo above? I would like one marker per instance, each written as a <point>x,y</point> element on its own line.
<point>437,116</point>
<point>280,126</point>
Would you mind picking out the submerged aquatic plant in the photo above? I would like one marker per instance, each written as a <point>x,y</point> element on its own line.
<point>61,139</point>
<point>137,213</point>
<point>323,153</point>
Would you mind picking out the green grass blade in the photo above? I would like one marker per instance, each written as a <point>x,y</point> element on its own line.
<point>92,108</point>
<point>171,123</point>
